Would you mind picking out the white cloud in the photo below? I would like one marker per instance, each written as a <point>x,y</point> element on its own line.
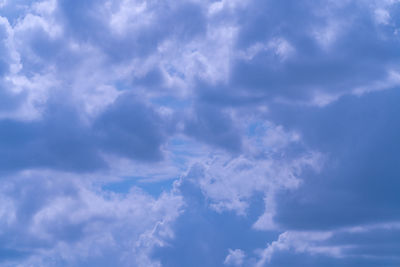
<point>62,219</point>
<point>278,47</point>
<point>229,182</point>
<point>130,15</point>
<point>382,16</point>
<point>235,257</point>
<point>300,242</point>
<point>225,5</point>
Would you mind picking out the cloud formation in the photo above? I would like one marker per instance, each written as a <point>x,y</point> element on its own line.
<point>201,133</point>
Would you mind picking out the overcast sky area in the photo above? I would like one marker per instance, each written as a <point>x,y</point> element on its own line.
<point>201,133</point>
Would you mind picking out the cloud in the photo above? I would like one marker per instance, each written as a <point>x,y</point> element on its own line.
<point>270,122</point>
<point>63,140</point>
<point>60,142</point>
<point>215,127</point>
<point>229,181</point>
<point>52,221</point>
<point>300,57</point>
<point>9,64</point>
<point>359,134</point>
<point>132,129</point>
<point>300,242</point>
<point>345,246</point>
<point>123,36</point>
<point>235,257</point>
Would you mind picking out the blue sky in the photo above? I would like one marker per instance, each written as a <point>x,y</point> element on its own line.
<point>199,133</point>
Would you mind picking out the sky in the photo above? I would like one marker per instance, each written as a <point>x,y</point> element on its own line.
<point>179,133</point>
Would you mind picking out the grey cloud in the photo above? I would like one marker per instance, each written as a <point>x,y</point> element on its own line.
<point>215,127</point>
<point>61,140</point>
<point>132,129</point>
<point>359,182</point>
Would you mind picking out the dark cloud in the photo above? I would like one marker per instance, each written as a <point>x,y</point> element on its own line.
<point>89,21</point>
<point>61,140</point>
<point>132,129</point>
<point>153,78</point>
<point>293,62</point>
<point>214,126</point>
<point>359,181</point>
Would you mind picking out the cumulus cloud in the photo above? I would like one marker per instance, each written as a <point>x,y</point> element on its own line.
<point>268,166</point>
<point>235,257</point>
<point>277,118</point>
<point>53,220</point>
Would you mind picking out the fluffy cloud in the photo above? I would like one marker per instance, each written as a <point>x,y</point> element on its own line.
<point>235,257</point>
<point>9,64</point>
<point>229,181</point>
<point>260,122</point>
<point>55,220</point>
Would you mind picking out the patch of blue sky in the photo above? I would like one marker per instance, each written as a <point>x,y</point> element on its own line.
<point>154,188</point>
